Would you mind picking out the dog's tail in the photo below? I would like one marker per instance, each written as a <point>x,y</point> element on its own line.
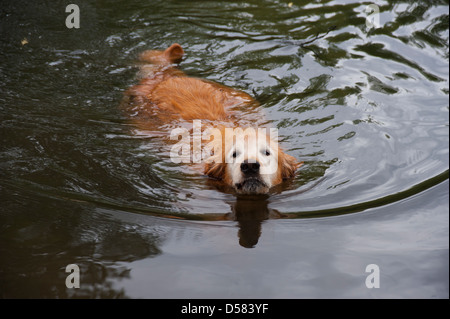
<point>172,54</point>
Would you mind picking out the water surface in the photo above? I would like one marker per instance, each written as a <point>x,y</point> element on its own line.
<point>365,109</point>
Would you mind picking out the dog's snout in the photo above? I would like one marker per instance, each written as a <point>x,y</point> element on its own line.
<point>250,167</point>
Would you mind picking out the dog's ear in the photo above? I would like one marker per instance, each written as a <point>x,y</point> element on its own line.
<point>215,170</point>
<point>174,53</point>
<point>288,165</point>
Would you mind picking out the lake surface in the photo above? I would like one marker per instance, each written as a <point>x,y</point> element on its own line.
<point>365,107</point>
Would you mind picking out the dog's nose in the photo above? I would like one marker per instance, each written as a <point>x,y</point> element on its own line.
<point>249,168</point>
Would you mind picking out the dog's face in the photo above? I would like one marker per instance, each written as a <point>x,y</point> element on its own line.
<point>250,163</point>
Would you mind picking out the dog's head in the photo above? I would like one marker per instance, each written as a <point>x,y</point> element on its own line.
<point>250,161</point>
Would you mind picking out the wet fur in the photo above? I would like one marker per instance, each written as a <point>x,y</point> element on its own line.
<point>165,95</point>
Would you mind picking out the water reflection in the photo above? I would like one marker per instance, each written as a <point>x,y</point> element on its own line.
<point>39,241</point>
<point>250,212</point>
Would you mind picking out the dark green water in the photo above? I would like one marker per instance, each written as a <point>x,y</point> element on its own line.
<point>367,110</point>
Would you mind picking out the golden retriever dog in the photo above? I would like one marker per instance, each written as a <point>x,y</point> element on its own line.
<point>242,155</point>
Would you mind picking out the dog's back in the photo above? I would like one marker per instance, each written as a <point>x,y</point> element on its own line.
<point>167,93</point>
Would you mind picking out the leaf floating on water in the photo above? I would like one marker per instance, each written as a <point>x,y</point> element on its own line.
<point>290,4</point>
<point>24,41</point>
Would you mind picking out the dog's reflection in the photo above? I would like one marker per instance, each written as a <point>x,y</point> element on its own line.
<point>250,212</point>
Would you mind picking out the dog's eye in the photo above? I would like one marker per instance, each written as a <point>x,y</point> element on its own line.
<point>267,153</point>
<point>234,154</point>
